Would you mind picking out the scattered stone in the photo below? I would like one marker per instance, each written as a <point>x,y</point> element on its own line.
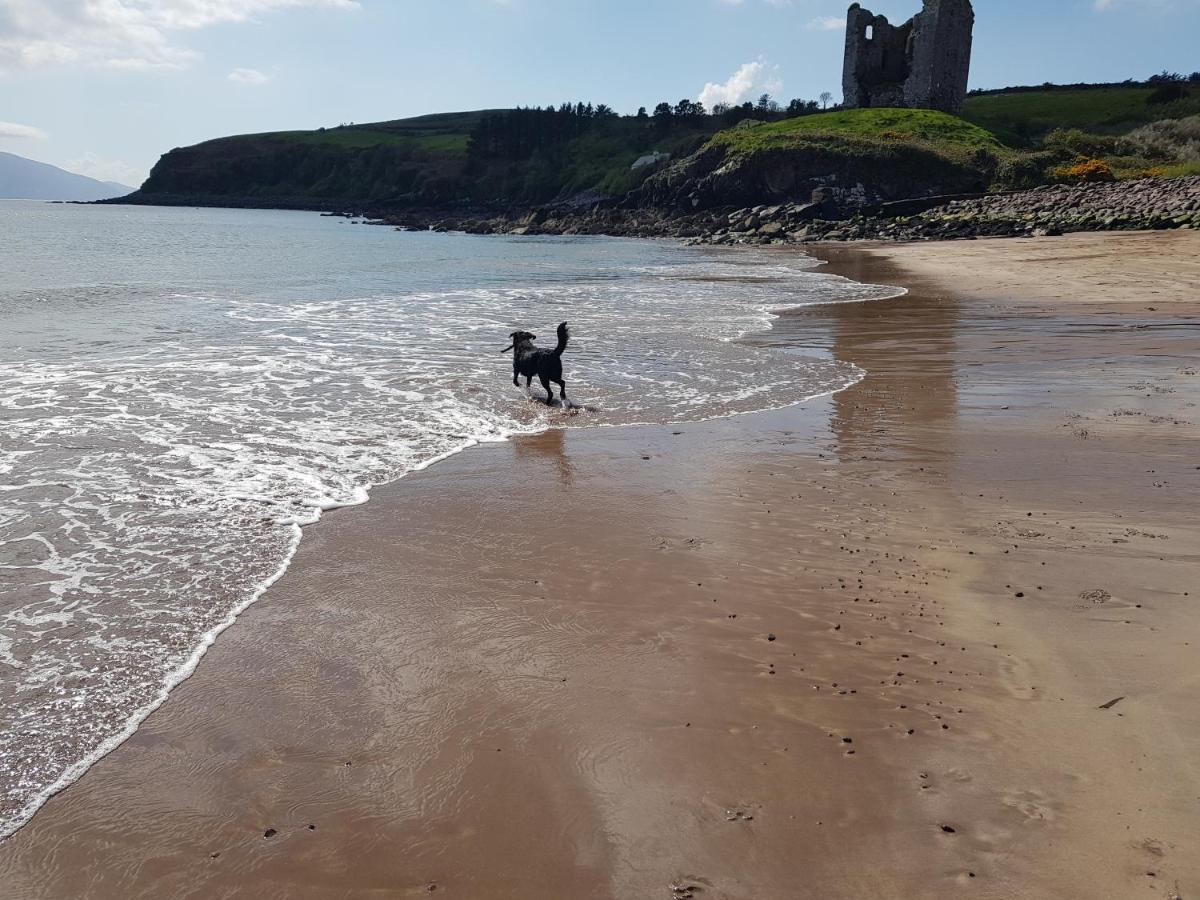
<point>849,213</point>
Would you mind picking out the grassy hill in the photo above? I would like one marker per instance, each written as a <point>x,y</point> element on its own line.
<point>889,154</point>
<point>423,161</point>
<point>442,133</point>
<point>433,160</point>
<point>916,139</point>
<point>420,159</point>
<point>935,129</point>
<point>1021,118</point>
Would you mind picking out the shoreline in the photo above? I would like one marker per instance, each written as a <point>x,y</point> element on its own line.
<point>197,777</point>
<point>188,667</point>
<point>1131,205</point>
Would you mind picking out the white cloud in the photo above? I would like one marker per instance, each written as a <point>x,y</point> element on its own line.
<point>107,170</point>
<point>828,23</point>
<point>750,80</point>
<point>25,132</point>
<point>248,76</point>
<point>123,34</point>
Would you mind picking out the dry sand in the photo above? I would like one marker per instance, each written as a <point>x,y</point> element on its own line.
<point>866,647</point>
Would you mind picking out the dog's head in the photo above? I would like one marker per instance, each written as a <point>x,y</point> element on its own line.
<point>519,338</point>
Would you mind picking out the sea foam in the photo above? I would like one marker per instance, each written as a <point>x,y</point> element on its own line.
<point>162,447</point>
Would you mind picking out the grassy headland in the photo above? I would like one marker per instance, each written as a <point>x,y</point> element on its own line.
<point>518,159</point>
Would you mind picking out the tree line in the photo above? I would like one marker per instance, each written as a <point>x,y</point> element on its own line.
<point>518,133</point>
<point>1164,77</point>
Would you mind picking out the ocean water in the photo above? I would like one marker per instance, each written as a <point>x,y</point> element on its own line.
<point>182,390</point>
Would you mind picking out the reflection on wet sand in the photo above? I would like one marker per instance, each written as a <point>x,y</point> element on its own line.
<point>906,346</point>
<point>550,447</point>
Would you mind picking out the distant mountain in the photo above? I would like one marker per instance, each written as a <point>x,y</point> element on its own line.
<point>25,179</point>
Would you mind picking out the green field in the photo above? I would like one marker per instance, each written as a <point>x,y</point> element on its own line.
<point>936,129</point>
<point>362,138</point>
<point>1020,119</point>
<point>444,133</point>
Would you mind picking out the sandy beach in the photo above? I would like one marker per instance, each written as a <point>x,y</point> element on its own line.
<point>932,637</point>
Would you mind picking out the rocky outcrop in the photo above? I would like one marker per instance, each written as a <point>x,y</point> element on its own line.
<point>1141,205</point>
<point>1130,205</point>
<point>854,176</point>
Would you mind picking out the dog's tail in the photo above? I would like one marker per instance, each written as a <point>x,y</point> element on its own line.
<point>563,336</point>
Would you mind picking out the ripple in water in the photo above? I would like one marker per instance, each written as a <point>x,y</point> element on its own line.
<point>164,440</point>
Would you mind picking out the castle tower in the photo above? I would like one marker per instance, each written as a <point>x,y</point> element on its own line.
<point>923,63</point>
<point>941,56</point>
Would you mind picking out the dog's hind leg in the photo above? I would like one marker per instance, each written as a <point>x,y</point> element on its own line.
<point>562,390</point>
<point>549,391</point>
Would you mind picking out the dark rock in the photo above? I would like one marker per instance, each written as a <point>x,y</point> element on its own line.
<point>834,212</point>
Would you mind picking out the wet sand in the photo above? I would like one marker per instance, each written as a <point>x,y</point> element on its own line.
<point>865,647</point>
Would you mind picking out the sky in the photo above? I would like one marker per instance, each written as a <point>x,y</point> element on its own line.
<point>104,87</point>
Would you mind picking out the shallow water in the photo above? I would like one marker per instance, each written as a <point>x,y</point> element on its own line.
<point>181,389</point>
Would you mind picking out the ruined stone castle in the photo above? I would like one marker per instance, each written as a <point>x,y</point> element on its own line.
<point>922,64</point>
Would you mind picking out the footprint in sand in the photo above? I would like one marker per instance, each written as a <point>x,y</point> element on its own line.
<point>1033,805</point>
<point>688,887</point>
<point>739,814</point>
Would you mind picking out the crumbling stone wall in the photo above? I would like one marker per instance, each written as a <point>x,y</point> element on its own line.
<point>922,64</point>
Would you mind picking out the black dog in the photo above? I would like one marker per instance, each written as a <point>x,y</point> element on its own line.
<point>529,360</point>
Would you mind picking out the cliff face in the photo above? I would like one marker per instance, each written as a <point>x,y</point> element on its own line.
<point>851,174</point>
<point>403,162</point>
<point>277,171</point>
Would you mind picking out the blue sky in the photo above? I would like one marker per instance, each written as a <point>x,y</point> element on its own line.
<point>104,87</point>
